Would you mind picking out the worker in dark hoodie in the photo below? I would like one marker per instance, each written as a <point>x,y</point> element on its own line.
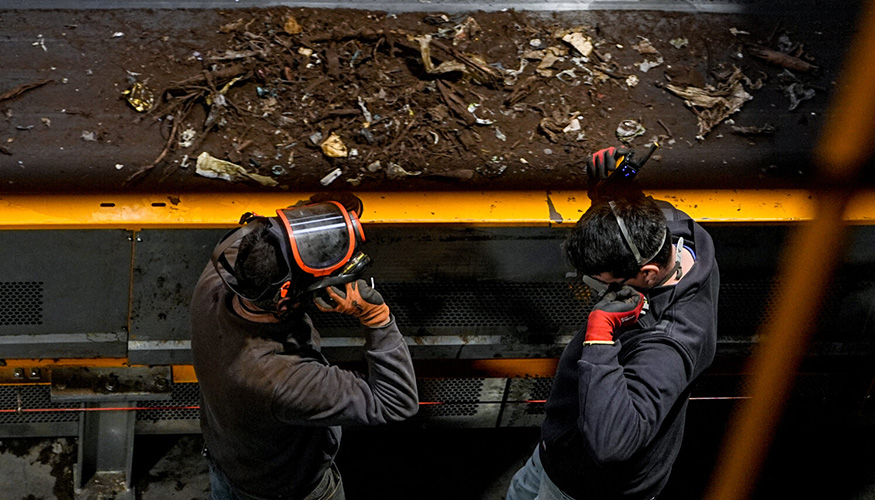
<point>615,415</point>
<point>272,406</point>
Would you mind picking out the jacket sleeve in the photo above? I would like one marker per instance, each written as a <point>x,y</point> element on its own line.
<point>623,406</point>
<point>316,394</point>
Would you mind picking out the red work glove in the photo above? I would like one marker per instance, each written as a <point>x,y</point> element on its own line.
<point>358,300</point>
<point>616,309</point>
<point>600,165</point>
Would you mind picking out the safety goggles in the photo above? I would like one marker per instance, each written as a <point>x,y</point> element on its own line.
<point>600,287</point>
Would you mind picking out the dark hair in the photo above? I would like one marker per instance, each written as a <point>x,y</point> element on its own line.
<point>596,244</point>
<point>256,267</point>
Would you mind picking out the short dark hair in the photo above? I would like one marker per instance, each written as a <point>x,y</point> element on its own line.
<point>256,267</point>
<point>596,244</point>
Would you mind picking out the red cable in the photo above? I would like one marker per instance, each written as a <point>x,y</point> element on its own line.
<point>197,407</point>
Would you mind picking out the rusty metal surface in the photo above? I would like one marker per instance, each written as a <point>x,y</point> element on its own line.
<point>102,384</point>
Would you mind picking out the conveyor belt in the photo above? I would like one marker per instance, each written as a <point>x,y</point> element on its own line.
<point>709,6</point>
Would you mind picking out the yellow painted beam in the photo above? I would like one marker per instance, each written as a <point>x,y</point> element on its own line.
<point>539,208</point>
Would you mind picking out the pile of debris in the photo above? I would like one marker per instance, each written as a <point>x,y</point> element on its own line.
<point>437,96</point>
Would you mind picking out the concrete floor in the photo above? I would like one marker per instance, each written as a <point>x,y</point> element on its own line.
<point>170,467</point>
<point>818,453</point>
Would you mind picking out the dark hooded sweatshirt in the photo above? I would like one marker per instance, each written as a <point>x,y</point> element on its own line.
<point>271,405</point>
<point>615,416</point>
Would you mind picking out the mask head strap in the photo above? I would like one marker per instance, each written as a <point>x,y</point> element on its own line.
<point>225,268</point>
<point>628,238</point>
<point>676,270</point>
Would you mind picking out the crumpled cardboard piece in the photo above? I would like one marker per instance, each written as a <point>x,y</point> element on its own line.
<point>214,168</point>
<point>579,41</point>
<point>713,105</point>
<point>472,65</point>
<point>292,26</point>
<point>551,56</point>
<point>333,147</point>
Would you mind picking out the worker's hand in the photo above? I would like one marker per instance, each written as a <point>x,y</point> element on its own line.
<point>358,300</point>
<point>600,165</point>
<point>615,310</point>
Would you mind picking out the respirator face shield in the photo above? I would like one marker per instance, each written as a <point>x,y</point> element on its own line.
<point>317,243</point>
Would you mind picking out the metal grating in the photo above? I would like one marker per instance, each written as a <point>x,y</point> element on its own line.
<point>549,307</point>
<point>539,390</point>
<point>182,395</point>
<point>542,306</point>
<point>31,397</point>
<point>455,397</point>
<point>743,306</point>
<point>21,302</point>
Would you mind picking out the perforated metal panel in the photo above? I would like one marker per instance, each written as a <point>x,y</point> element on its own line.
<point>742,306</point>
<point>449,397</point>
<point>514,307</point>
<point>30,397</point>
<point>183,394</point>
<point>525,401</point>
<point>21,302</point>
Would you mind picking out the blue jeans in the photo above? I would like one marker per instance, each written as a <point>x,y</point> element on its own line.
<point>329,488</point>
<point>531,482</point>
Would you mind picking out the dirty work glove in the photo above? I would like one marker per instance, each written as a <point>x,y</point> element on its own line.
<point>358,300</point>
<point>616,309</point>
<point>600,165</point>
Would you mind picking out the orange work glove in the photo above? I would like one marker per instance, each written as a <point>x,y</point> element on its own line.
<point>358,300</point>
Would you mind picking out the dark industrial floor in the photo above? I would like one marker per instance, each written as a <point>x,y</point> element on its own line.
<point>819,452</point>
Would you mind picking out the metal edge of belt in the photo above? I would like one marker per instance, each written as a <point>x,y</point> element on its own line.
<point>489,208</point>
<point>450,6</point>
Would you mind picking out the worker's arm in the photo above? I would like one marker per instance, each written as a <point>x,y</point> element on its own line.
<point>317,394</point>
<point>623,406</point>
<point>327,395</point>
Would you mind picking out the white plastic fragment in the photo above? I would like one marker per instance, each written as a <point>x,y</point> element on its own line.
<point>214,168</point>
<point>396,171</point>
<point>186,138</point>
<point>679,42</point>
<point>331,177</point>
<point>480,121</point>
<point>573,126</point>
<point>629,129</point>
<point>40,42</point>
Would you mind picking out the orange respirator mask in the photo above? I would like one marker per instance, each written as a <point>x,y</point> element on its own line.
<point>318,247</point>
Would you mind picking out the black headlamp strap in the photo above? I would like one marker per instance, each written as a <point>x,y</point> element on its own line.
<point>626,236</point>
<point>218,256</point>
<point>223,266</point>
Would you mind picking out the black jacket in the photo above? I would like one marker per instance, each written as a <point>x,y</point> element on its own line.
<point>271,405</point>
<point>615,415</point>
